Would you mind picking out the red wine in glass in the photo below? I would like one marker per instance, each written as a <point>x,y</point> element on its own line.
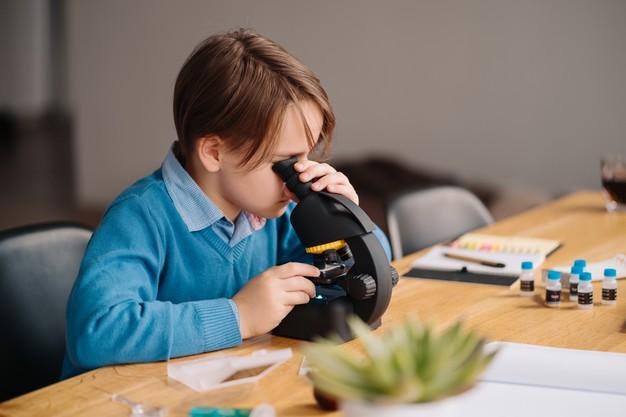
<point>614,181</point>
<point>615,189</point>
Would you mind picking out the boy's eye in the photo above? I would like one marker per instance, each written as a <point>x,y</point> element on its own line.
<point>280,158</point>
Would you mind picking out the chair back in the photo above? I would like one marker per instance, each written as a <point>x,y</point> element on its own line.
<point>38,266</point>
<point>421,218</point>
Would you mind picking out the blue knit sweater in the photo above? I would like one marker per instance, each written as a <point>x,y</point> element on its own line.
<point>149,289</point>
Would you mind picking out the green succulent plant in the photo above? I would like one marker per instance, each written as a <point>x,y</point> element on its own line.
<point>411,363</point>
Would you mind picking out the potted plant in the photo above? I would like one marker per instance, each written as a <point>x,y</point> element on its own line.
<point>408,370</point>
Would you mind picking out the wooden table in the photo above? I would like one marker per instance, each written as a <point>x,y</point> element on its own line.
<point>579,221</point>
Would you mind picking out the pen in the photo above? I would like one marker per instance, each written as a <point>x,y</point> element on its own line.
<point>474,260</point>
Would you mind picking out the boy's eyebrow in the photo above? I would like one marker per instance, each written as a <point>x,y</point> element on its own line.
<point>290,155</point>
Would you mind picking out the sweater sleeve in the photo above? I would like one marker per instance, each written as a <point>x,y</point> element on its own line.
<point>113,313</point>
<point>382,238</point>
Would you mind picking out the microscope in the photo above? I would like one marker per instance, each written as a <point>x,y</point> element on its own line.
<point>355,275</point>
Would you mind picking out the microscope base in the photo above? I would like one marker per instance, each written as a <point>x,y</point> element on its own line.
<point>314,320</point>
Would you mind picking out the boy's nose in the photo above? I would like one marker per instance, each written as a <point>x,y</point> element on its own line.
<point>288,195</point>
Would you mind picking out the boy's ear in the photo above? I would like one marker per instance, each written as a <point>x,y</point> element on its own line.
<point>209,150</point>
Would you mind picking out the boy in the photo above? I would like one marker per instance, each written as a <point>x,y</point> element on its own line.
<point>200,254</point>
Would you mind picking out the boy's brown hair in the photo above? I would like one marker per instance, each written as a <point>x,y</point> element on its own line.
<point>237,85</point>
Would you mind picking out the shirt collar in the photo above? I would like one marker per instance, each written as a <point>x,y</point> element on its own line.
<point>194,206</point>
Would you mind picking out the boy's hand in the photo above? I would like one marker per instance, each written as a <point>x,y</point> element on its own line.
<point>326,178</point>
<point>267,298</point>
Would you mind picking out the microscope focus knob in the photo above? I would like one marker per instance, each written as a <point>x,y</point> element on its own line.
<point>395,277</point>
<point>361,287</point>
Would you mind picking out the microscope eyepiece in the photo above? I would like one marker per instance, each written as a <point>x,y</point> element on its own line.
<point>285,170</point>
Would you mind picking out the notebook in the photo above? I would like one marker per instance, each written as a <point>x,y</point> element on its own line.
<point>467,259</point>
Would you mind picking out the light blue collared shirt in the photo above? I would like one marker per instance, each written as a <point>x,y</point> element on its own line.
<point>199,212</point>
<point>196,208</point>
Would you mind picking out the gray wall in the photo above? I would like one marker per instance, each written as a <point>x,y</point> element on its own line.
<point>509,91</point>
<point>25,86</point>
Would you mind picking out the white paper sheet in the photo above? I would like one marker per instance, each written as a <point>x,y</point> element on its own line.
<point>530,380</point>
<point>490,399</point>
<point>541,366</point>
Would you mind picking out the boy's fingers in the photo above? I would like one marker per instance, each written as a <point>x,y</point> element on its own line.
<point>301,166</point>
<point>296,297</point>
<point>299,284</point>
<point>344,190</point>
<point>293,269</point>
<point>315,171</point>
<point>332,178</point>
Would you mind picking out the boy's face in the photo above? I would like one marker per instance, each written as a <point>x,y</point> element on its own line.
<point>260,191</point>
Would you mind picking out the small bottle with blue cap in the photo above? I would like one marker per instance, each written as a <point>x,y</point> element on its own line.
<point>609,287</point>
<point>527,280</point>
<point>585,291</point>
<point>574,276</point>
<point>553,289</point>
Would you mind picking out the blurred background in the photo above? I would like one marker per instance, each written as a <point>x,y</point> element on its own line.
<point>516,100</point>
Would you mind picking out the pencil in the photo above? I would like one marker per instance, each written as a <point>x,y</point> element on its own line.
<point>474,260</point>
